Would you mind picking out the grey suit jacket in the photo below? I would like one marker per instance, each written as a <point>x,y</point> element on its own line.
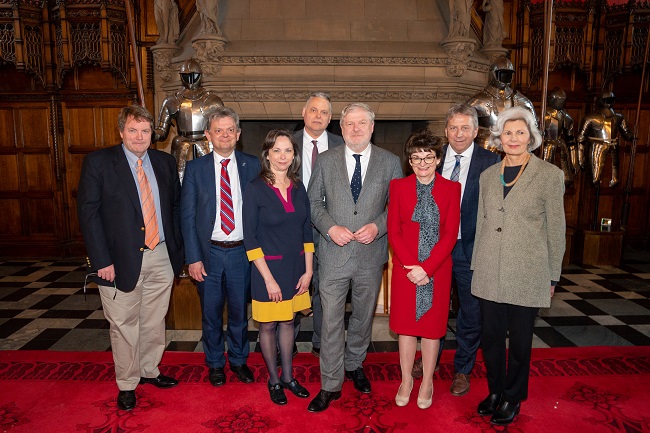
<point>332,204</point>
<point>520,239</point>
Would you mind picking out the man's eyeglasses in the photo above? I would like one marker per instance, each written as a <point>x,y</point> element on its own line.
<point>94,274</point>
<point>430,159</point>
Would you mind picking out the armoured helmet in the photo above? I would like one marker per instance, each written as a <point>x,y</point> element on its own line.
<point>607,99</point>
<point>556,98</point>
<point>191,74</point>
<point>501,73</point>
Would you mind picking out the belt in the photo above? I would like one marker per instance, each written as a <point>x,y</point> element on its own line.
<point>227,244</point>
<point>146,248</point>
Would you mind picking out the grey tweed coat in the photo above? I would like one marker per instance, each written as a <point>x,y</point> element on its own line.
<point>520,239</point>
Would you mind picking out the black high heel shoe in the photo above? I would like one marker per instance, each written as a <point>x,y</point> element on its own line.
<point>277,394</point>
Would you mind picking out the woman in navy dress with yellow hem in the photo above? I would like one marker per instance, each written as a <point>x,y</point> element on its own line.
<point>279,241</point>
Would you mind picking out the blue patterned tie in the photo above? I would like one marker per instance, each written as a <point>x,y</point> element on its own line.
<point>455,173</point>
<point>355,185</point>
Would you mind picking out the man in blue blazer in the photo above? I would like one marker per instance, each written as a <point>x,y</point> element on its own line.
<point>312,140</point>
<point>129,214</point>
<point>464,161</point>
<point>211,221</point>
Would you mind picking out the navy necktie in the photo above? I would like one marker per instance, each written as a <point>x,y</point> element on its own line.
<point>355,184</point>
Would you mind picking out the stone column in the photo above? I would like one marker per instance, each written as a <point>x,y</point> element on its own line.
<point>209,48</point>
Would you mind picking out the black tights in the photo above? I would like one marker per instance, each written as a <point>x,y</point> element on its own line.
<point>269,347</point>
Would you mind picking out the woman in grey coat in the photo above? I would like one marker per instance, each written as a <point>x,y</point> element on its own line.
<point>517,257</point>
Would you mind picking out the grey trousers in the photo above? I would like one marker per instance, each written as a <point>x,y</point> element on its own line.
<point>335,356</point>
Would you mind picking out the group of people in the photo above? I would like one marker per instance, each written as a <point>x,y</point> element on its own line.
<point>317,211</point>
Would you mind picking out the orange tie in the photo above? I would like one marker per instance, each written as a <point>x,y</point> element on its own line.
<point>151,238</point>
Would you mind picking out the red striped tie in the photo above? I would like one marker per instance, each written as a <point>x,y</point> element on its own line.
<point>227,210</point>
<point>151,235</point>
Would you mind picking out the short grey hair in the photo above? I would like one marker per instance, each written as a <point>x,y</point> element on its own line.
<point>354,107</point>
<point>465,110</point>
<point>219,113</point>
<point>516,113</point>
<point>322,95</point>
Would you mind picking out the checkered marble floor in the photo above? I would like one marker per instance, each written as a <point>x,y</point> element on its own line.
<point>43,307</point>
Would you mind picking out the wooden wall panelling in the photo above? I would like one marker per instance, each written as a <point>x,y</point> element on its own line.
<point>90,126</point>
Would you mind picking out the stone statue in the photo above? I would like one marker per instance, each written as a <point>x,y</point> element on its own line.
<point>493,29</point>
<point>460,16</point>
<point>496,97</point>
<point>166,15</point>
<point>558,134</point>
<point>601,128</point>
<point>188,107</point>
<point>209,11</point>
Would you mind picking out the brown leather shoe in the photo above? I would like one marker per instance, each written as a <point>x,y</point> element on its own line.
<point>460,385</point>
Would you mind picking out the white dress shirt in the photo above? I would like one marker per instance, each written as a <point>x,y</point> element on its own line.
<point>237,200</point>
<point>307,148</point>
<point>351,162</point>
<point>450,162</point>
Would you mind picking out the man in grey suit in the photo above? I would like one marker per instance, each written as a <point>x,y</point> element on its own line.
<point>348,191</point>
<point>313,140</point>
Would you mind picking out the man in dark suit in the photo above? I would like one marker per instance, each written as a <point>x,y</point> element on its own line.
<point>464,161</point>
<point>129,214</point>
<point>348,192</point>
<point>313,140</point>
<point>213,190</point>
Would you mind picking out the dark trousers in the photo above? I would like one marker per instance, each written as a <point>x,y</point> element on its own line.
<point>468,321</point>
<point>228,283</point>
<point>499,322</point>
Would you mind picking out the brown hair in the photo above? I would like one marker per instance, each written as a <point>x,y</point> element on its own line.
<point>423,141</point>
<point>269,142</point>
<point>139,114</point>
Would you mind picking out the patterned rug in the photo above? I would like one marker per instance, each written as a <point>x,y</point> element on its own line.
<point>599,389</point>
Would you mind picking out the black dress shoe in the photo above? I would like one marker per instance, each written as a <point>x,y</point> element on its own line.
<point>126,400</point>
<point>297,389</point>
<point>160,381</point>
<point>322,400</point>
<point>361,382</point>
<point>244,374</point>
<point>489,405</point>
<point>217,376</point>
<point>277,394</point>
<point>505,413</point>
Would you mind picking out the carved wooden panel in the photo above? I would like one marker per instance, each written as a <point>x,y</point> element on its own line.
<point>7,133</point>
<point>34,131</point>
<point>42,216</point>
<point>38,172</point>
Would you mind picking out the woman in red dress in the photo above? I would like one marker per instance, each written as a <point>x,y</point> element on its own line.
<point>423,220</point>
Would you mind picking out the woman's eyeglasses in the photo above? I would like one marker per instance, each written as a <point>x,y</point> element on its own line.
<point>430,159</point>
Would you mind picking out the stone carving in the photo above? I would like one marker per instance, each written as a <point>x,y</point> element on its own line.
<point>209,12</point>
<point>493,30</point>
<point>460,16</point>
<point>166,15</point>
<point>208,52</point>
<point>162,61</point>
<point>459,50</point>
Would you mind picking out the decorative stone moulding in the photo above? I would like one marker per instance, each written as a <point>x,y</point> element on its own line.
<point>209,48</point>
<point>460,51</point>
<point>162,60</point>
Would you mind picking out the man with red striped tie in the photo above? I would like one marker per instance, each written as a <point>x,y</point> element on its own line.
<point>211,208</point>
<point>129,214</point>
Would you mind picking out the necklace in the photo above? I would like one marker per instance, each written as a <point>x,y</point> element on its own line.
<point>521,170</point>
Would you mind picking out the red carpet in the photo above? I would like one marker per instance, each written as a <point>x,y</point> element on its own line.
<point>576,390</point>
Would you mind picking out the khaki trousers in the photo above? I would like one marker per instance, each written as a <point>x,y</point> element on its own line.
<point>137,319</point>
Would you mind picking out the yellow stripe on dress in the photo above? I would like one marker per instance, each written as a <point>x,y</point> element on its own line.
<point>255,254</point>
<point>280,311</point>
<point>309,247</point>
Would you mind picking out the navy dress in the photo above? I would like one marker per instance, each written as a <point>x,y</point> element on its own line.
<point>281,232</point>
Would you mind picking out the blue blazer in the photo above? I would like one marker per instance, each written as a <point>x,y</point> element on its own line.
<point>481,159</point>
<point>199,202</point>
<point>110,213</point>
